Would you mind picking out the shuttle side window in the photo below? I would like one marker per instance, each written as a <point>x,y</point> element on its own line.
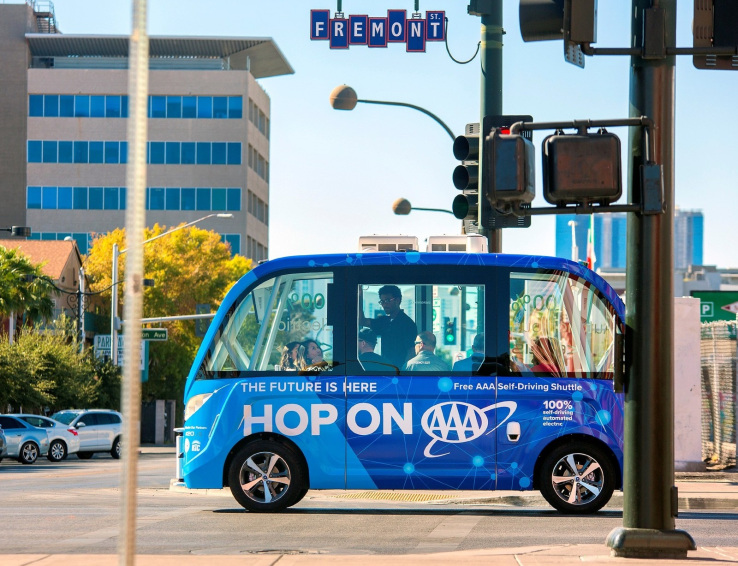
<point>423,328</point>
<point>559,326</point>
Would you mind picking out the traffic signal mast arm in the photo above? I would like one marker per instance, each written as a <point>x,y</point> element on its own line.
<point>575,21</point>
<point>564,158</point>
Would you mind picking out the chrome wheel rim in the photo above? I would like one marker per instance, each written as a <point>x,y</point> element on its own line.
<point>117,448</point>
<point>578,479</point>
<point>265,477</point>
<point>30,453</point>
<point>57,451</point>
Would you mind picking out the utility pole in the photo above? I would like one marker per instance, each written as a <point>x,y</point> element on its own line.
<point>490,95</point>
<point>650,497</point>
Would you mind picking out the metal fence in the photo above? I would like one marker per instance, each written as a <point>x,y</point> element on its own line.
<point>718,352</point>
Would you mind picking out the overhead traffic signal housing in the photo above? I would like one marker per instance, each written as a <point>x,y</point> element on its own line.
<point>715,25</point>
<point>582,168</point>
<point>574,21</point>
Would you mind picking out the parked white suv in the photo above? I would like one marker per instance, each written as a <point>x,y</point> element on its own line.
<point>99,430</point>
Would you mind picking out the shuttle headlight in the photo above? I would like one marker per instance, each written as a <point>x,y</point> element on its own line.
<point>194,404</point>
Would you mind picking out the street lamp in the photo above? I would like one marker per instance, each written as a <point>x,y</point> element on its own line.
<point>18,231</point>
<point>344,98</point>
<point>402,207</point>
<point>114,280</point>
<point>574,247</point>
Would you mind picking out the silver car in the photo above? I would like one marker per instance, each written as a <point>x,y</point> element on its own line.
<point>63,439</point>
<point>99,430</point>
<point>3,445</point>
<point>25,442</point>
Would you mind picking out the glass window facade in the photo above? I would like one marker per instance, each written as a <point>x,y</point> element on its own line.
<point>116,106</point>
<point>115,152</point>
<point>234,240</point>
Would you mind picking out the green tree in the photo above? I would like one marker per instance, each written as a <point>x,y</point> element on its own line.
<point>46,370</point>
<point>23,289</point>
<point>191,266</point>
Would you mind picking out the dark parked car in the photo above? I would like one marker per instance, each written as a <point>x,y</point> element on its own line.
<point>24,442</point>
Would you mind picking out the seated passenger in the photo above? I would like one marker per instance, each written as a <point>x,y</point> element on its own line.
<point>293,357</point>
<point>473,362</point>
<point>314,356</point>
<point>369,359</point>
<point>543,357</point>
<point>425,359</point>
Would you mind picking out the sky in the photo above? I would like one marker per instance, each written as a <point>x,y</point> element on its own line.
<point>335,174</point>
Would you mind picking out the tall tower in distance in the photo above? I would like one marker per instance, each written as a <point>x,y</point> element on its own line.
<point>610,238</point>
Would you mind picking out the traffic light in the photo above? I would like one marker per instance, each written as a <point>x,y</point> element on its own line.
<point>474,209</point>
<point>582,167</point>
<point>449,331</point>
<point>574,21</point>
<point>715,25</point>
<point>466,178</point>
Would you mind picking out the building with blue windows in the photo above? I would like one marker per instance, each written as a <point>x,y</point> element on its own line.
<point>610,238</point>
<point>63,118</point>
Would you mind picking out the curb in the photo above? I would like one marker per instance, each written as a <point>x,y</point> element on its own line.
<point>532,499</point>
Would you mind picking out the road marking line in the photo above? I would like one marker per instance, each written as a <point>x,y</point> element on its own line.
<point>449,534</point>
<point>101,535</point>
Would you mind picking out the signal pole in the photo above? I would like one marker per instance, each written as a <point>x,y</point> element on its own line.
<point>650,498</point>
<point>490,95</point>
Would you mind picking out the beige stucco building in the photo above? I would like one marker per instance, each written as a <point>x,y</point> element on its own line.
<point>63,127</point>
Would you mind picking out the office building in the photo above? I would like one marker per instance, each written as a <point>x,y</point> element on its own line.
<point>63,128</point>
<point>611,237</point>
<point>688,238</point>
<point>609,240</point>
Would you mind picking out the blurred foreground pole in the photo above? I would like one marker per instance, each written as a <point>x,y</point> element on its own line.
<point>138,89</point>
<point>650,502</point>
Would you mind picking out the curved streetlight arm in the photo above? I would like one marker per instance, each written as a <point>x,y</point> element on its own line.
<point>414,107</point>
<point>114,277</point>
<point>182,227</point>
<point>433,210</point>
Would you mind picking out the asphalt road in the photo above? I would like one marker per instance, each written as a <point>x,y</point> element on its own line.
<point>73,507</point>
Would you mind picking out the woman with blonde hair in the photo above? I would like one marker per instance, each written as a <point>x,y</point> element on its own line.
<point>293,357</point>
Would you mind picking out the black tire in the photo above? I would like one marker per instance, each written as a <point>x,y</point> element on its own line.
<point>28,453</point>
<point>303,493</point>
<point>57,451</point>
<point>84,455</point>
<point>115,450</point>
<point>577,478</point>
<point>267,476</point>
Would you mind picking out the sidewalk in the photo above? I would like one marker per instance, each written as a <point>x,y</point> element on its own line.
<point>591,554</point>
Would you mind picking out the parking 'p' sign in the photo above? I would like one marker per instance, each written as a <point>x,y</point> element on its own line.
<point>342,32</point>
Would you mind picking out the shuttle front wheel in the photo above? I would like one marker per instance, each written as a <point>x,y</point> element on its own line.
<point>267,476</point>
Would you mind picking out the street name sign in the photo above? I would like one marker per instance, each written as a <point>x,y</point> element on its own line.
<point>154,334</point>
<point>102,350</point>
<point>396,27</point>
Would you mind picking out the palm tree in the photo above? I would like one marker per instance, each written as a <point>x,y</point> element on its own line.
<point>23,288</point>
